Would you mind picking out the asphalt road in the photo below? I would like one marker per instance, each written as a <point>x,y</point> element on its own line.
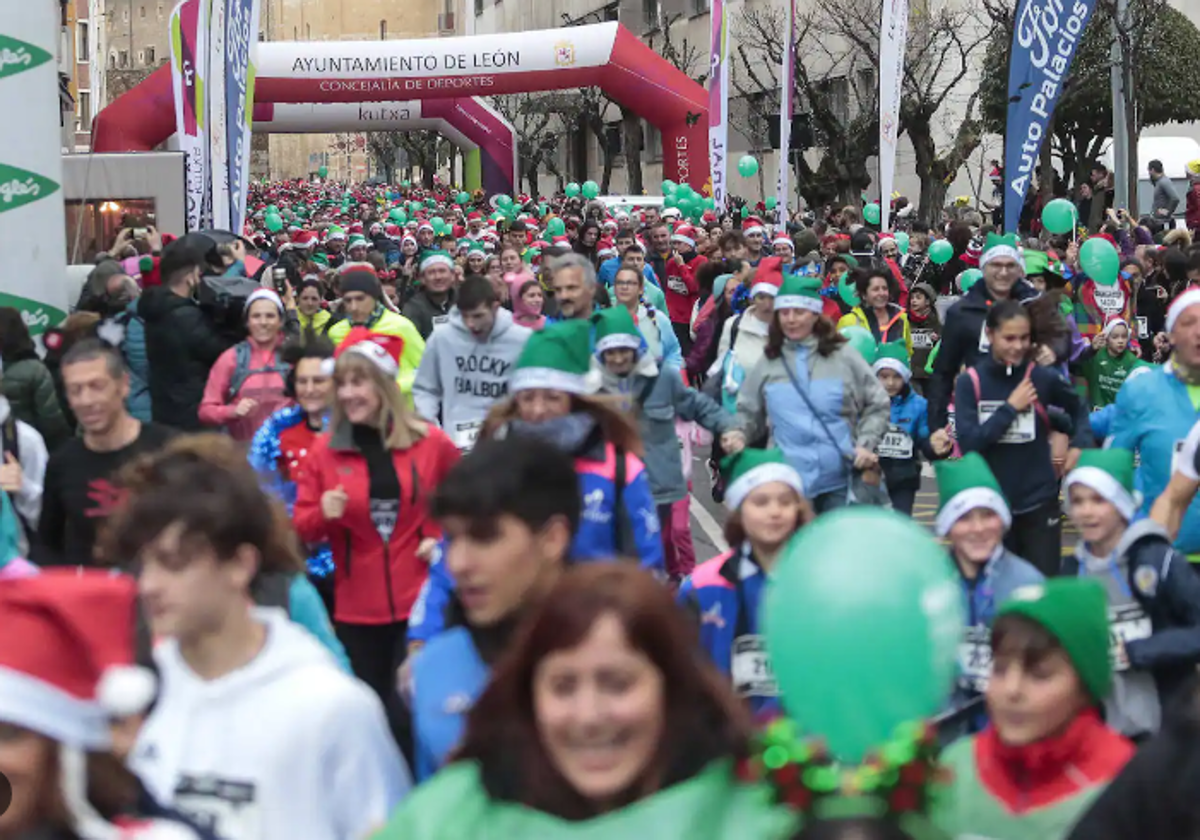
<point>708,518</point>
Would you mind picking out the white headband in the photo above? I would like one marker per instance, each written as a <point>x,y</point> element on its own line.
<point>1109,488</point>
<point>963,503</point>
<point>263,294</point>
<point>437,259</point>
<point>1188,298</point>
<point>894,365</point>
<point>751,480</point>
<point>805,302</point>
<point>999,251</point>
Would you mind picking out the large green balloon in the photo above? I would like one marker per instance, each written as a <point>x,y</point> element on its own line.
<point>860,339</point>
<point>748,166</point>
<point>847,290</point>
<point>770,202</point>
<point>462,198</point>
<point>872,214</point>
<point>902,241</point>
<point>1099,260</point>
<point>556,227</point>
<point>590,189</point>
<point>863,617</point>
<point>504,201</point>
<point>396,215</point>
<point>968,279</point>
<point>940,252</point>
<point>1058,216</point>
<point>322,171</point>
<point>572,190</point>
<point>273,222</point>
<point>669,186</point>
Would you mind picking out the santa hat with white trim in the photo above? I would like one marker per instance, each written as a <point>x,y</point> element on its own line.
<point>615,330</point>
<point>436,258</point>
<point>782,238</point>
<point>383,351</point>
<point>1110,473</point>
<point>1188,299</point>
<point>558,358</point>
<point>893,356</point>
<point>753,224</point>
<point>605,248</point>
<point>800,293</point>
<point>67,666</point>
<point>752,468</point>
<point>768,277</point>
<point>964,485</point>
<point>685,235</point>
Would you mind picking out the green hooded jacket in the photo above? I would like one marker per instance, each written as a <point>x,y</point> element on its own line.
<point>453,805</point>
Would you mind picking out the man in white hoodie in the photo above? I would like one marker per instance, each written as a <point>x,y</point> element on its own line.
<point>257,734</point>
<point>467,361</point>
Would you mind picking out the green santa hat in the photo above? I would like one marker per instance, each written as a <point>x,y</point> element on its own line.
<point>800,293</point>
<point>893,356</point>
<point>964,485</point>
<point>615,330</point>
<point>751,469</point>
<point>435,257</point>
<point>1110,473</point>
<point>998,247</point>
<point>357,240</point>
<point>559,358</point>
<point>1074,611</point>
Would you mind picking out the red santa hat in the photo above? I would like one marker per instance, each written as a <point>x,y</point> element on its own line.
<point>752,224</point>
<point>67,666</point>
<point>685,234</point>
<point>782,238</point>
<point>383,351</point>
<point>606,248</point>
<point>424,225</point>
<point>355,228</point>
<point>768,277</point>
<point>391,231</point>
<point>474,216</point>
<point>304,239</point>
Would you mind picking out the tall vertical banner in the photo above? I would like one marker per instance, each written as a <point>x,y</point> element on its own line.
<point>718,104</point>
<point>218,118</point>
<point>787,93</point>
<point>189,31</point>
<point>241,34</point>
<point>1046,37</point>
<point>893,34</point>
<point>32,232</point>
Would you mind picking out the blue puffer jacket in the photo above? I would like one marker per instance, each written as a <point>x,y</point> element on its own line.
<point>1154,413</point>
<point>910,415</point>
<point>133,348</point>
<point>596,539</point>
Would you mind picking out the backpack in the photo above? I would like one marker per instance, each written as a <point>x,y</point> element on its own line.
<point>242,370</point>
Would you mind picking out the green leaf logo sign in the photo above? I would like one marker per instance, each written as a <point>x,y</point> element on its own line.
<point>18,187</point>
<point>38,316</point>
<point>18,56</point>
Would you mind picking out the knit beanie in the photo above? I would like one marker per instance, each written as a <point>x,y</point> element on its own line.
<point>558,358</point>
<point>1110,473</point>
<point>893,356</point>
<point>751,469</point>
<point>361,278</point>
<point>964,485</point>
<point>1075,611</point>
<point>800,293</point>
<point>615,330</point>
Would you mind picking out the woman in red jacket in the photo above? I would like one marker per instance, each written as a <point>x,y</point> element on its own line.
<point>364,489</point>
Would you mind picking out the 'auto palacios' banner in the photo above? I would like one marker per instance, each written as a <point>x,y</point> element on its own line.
<point>1046,37</point>
<point>241,34</point>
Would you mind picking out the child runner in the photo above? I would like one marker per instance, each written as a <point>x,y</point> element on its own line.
<point>1109,361</point>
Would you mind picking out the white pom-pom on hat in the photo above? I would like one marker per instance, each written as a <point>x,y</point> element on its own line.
<point>126,690</point>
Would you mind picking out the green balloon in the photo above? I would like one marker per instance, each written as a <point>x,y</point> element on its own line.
<point>748,166</point>
<point>438,223</point>
<point>590,189</point>
<point>429,202</point>
<point>671,200</point>
<point>940,252</point>
<point>322,171</point>
<point>504,201</point>
<point>860,339</point>
<point>686,205</point>
<point>848,293</point>
<point>669,186</point>
<point>462,198</point>
<point>273,222</point>
<point>273,210</point>
<point>396,214</point>
<point>771,202</point>
<point>710,203</point>
<point>1099,260</point>
<point>902,242</point>
<point>572,190</point>
<point>556,227</point>
<point>406,184</point>
<point>872,214</point>
<point>862,621</point>
<point>968,279</point>
<point>1058,216</point>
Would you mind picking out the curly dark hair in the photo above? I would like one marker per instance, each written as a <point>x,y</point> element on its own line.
<point>15,340</point>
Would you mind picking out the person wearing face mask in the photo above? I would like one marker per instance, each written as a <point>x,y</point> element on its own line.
<point>1108,362</point>
<point>246,384</point>
<point>596,726</point>
<point>1153,598</point>
<point>1045,755</point>
<point>1006,408</point>
<point>182,344</point>
<point>766,501</point>
<point>364,489</point>
<point>973,518</point>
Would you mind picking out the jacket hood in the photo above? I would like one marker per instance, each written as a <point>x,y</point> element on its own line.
<point>504,322</point>
<point>157,302</point>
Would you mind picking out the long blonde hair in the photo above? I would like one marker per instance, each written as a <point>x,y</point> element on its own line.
<point>401,429</point>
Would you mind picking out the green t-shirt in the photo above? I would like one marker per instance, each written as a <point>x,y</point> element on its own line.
<point>1105,375</point>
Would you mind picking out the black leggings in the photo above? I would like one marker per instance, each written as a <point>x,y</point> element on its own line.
<point>1036,536</point>
<point>375,652</point>
<point>904,495</point>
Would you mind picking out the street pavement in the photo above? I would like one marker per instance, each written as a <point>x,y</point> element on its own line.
<point>708,518</point>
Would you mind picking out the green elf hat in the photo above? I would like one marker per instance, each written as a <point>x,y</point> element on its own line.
<point>1036,262</point>
<point>559,358</point>
<point>357,240</point>
<point>435,257</point>
<point>1075,611</point>
<point>800,293</point>
<point>615,330</point>
<point>751,469</point>
<point>1110,473</point>
<point>320,259</point>
<point>999,247</point>
<point>964,485</point>
<point>474,246</point>
<point>893,356</point>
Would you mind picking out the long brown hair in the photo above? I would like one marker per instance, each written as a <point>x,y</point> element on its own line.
<point>617,426</point>
<point>828,337</point>
<point>703,720</point>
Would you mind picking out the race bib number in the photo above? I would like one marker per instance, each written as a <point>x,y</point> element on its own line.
<point>751,668</point>
<point>438,320</point>
<point>985,343</point>
<point>1143,326</point>
<point>975,658</point>
<point>464,435</point>
<point>923,339</point>
<point>226,808</point>
<point>1128,623</point>
<point>1021,430</point>
<point>896,443</point>
<point>677,286</point>
<point>1110,299</point>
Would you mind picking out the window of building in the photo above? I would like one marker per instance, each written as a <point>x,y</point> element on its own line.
<point>383,30</point>
<point>650,12</point>
<point>83,111</point>
<point>160,11</point>
<point>149,56</point>
<point>701,7</point>
<point>83,52</point>
<point>125,15</point>
<point>142,12</point>
<point>123,62</point>
<point>478,7</point>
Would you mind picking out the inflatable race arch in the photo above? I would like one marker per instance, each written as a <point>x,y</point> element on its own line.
<point>488,141</point>
<point>605,55</point>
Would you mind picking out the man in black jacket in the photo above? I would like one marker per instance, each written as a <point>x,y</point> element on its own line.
<point>182,344</point>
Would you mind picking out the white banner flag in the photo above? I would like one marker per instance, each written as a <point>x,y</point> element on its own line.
<point>893,33</point>
<point>787,75</point>
<point>218,155</point>
<point>718,105</point>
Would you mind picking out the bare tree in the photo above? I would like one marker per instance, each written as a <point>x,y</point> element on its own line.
<point>538,123</point>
